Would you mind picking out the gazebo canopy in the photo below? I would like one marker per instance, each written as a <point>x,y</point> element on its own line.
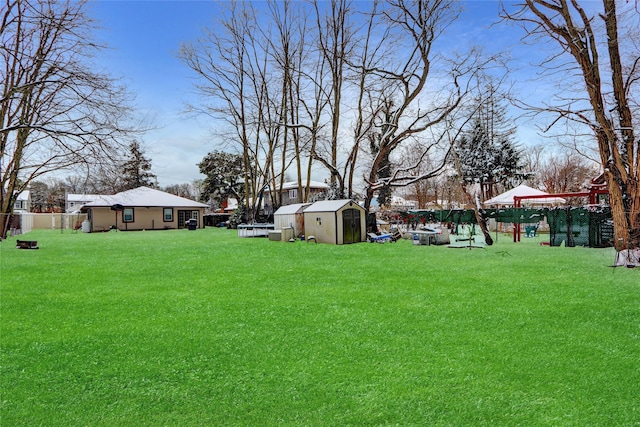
<point>507,198</point>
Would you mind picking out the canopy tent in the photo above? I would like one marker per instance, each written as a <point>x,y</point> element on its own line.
<point>507,198</point>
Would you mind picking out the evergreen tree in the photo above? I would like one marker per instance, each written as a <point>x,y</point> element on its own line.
<point>487,154</point>
<point>224,172</point>
<point>136,171</point>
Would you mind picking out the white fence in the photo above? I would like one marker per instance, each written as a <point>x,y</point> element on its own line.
<point>24,222</point>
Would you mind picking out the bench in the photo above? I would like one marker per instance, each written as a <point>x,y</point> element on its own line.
<point>27,244</point>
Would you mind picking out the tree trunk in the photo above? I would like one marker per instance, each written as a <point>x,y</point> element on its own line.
<point>480,215</point>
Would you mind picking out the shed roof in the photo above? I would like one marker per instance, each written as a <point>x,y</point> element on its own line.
<point>144,197</point>
<point>331,205</point>
<point>291,209</point>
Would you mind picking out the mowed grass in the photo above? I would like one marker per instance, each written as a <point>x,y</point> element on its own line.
<point>202,328</point>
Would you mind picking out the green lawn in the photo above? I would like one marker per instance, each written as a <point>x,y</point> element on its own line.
<point>202,328</point>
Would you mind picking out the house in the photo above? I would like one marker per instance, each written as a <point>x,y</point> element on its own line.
<point>290,191</point>
<point>23,202</point>
<point>142,208</point>
<point>335,221</point>
<point>291,216</point>
<point>74,202</point>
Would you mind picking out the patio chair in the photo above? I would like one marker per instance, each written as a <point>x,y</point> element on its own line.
<point>531,230</point>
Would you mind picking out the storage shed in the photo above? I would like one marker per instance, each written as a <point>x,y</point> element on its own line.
<point>291,216</point>
<point>335,221</point>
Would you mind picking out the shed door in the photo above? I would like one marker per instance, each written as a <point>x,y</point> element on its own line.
<point>351,226</point>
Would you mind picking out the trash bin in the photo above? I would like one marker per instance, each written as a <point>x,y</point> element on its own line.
<point>192,224</point>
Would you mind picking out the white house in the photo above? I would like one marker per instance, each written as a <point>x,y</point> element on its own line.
<point>74,202</point>
<point>23,202</point>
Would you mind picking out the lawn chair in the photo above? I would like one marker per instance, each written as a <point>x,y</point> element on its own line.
<point>378,238</point>
<point>395,234</point>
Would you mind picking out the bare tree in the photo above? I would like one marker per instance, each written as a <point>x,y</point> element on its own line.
<point>288,50</point>
<point>188,190</point>
<point>433,192</point>
<point>232,71</point>
<point>358,79</point>
<point>415,109</point>
<point>56,111</point>
<point>566,172</point>
<point>334,42</point>
<point>596,53</point>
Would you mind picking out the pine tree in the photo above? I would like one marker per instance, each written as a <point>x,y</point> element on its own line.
<point>487,153</point>
<point>136,171</point>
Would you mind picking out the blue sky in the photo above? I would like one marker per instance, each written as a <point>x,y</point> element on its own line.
<point>144,37</point>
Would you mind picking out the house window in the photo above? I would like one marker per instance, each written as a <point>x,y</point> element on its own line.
<point>293,194</point>
<point>18,205</point>
<point>127,215</point>
<point>168,214</point>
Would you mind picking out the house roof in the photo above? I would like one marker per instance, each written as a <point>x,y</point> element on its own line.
<point>23,196</point>
<point>330,205</point>
<point>522,190</point>
<point>294,184</point>
<point>291,209</point>
<point>82,197</point>
<point>144,197</point>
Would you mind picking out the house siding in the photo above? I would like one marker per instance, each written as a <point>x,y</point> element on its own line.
<point>151,218</point>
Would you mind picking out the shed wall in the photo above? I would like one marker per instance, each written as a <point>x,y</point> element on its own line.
<point>290,220</point>
<point>322,225</point>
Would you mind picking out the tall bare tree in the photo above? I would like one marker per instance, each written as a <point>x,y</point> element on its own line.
<point>364,73</point>
<point>288,50</point>
<point>604,61</point>
<point>334,40</point>
<point>418,104</point>
<point>233,80</point>
<point>566,172</point>
<point>56,110</point>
